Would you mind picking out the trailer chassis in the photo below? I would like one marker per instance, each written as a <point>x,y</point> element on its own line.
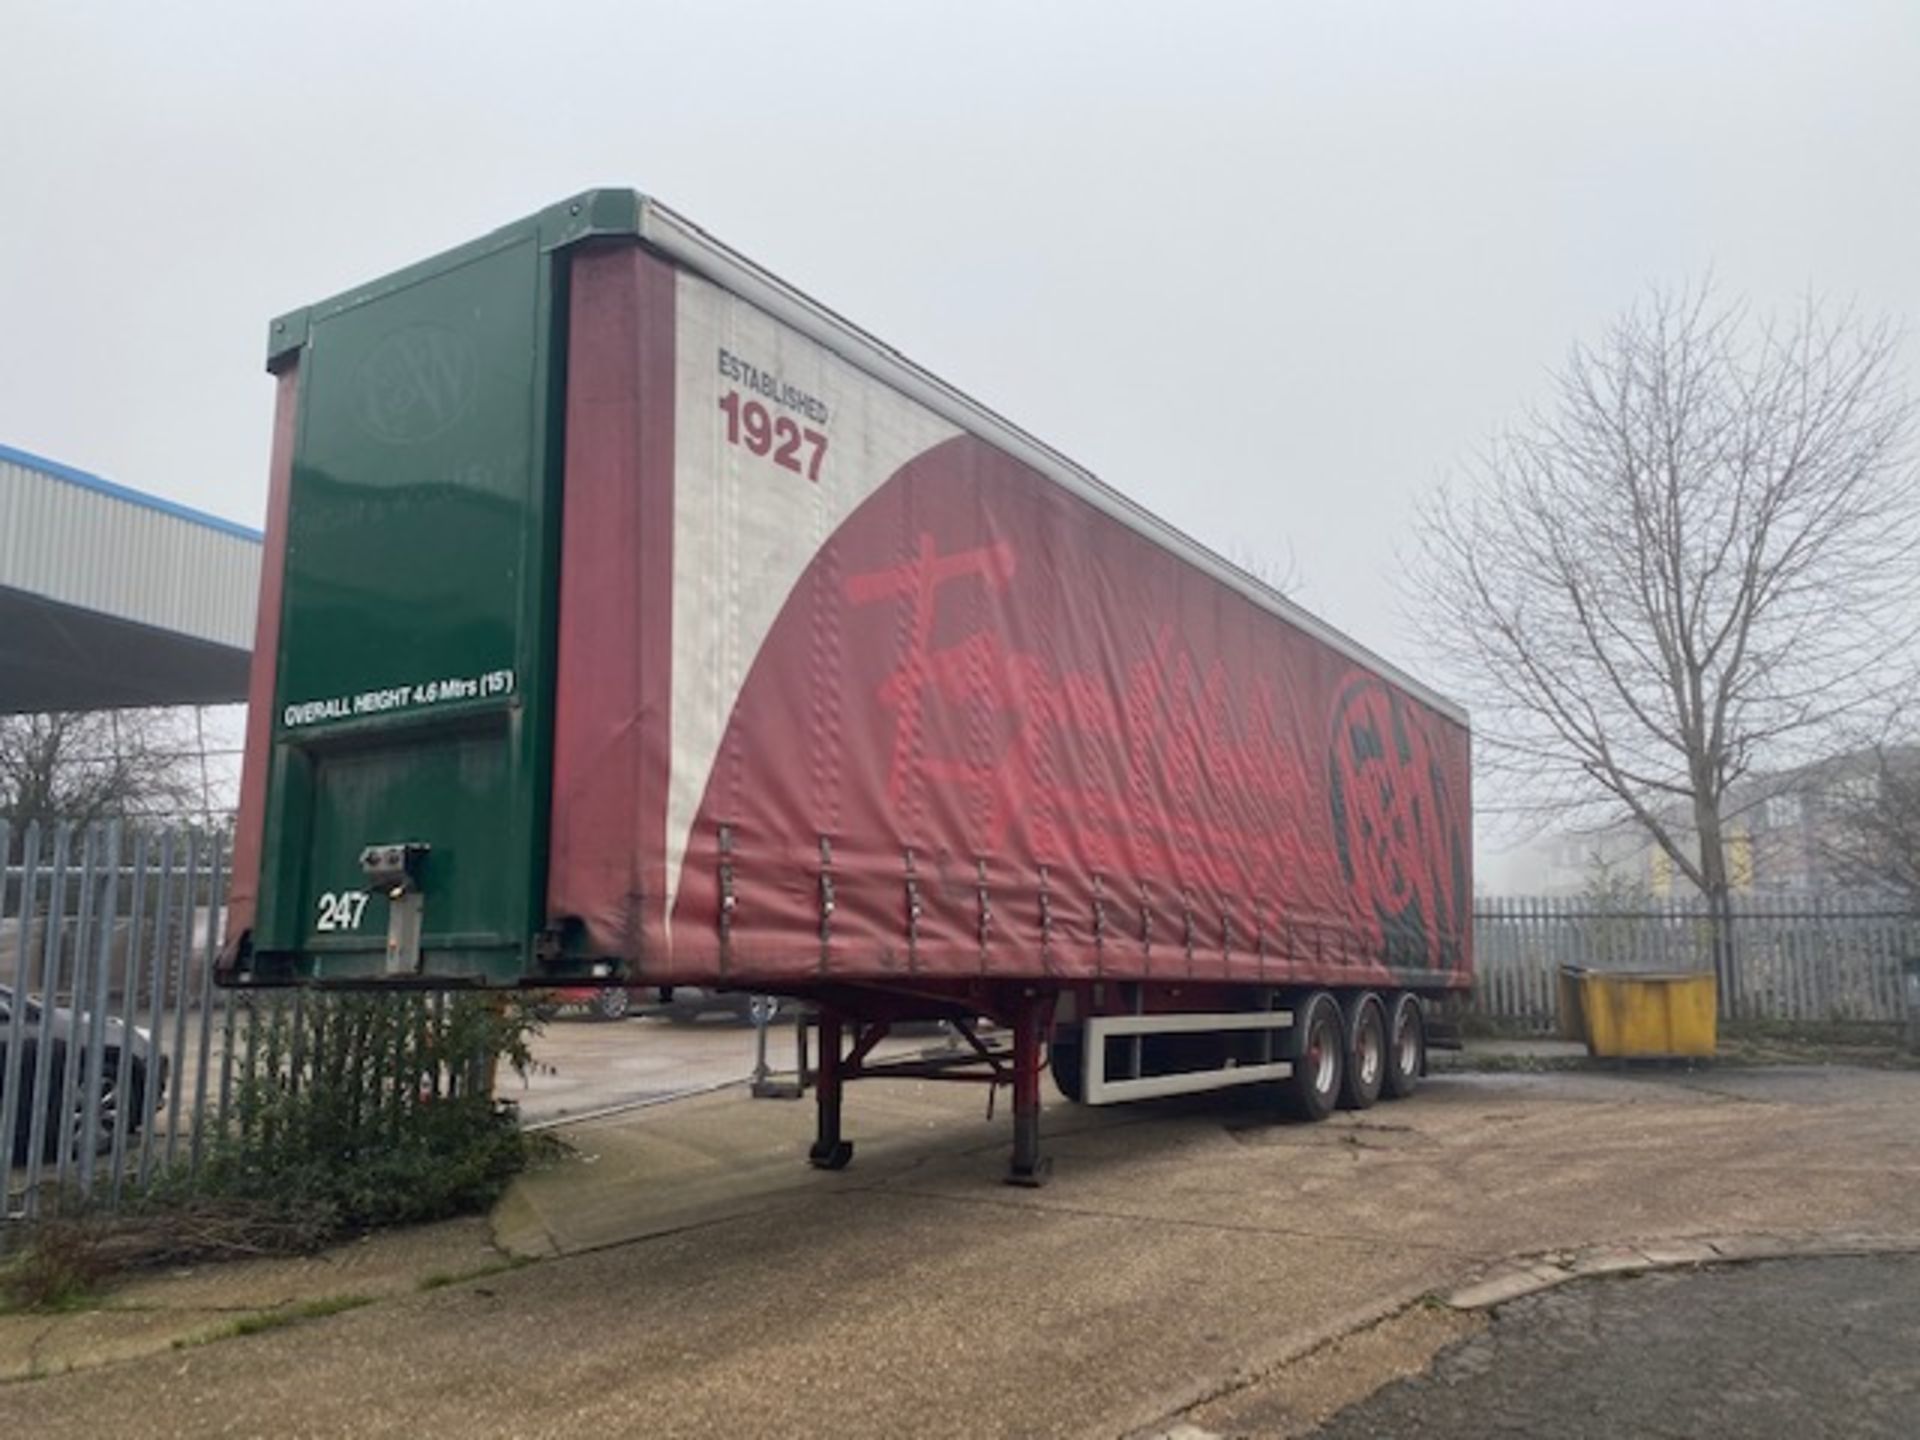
<point>1244,1036</point>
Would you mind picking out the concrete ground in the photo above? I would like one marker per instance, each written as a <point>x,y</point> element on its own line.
<point>584,1067</point>
<point>1189,1258</point>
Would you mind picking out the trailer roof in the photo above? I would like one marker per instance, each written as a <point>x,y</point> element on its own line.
<point>615,212</point>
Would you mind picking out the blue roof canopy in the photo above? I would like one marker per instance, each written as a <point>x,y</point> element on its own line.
<point>112,598</point>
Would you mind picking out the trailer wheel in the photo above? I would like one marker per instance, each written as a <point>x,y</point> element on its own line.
<point>1366,1056</point>
<point>1066,1058</point>
<point>1406,1048</point>
<point>1318,1054</point>
<point>614,1002</point>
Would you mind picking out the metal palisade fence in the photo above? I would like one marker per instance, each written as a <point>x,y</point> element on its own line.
<point>1790,957</point>
<point>113,1038</point>
<point>122,1063</point>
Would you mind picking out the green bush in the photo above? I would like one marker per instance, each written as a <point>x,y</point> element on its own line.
<point>347,1112</point>
<point>357,1110</point>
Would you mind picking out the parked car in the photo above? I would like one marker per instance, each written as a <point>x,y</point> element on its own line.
<point>682,1004</point>
<point>591,1002</point>
<point>146,1081</point>
<point>686,1004</point>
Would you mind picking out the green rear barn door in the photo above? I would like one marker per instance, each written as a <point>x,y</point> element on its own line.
<point>414,639</point>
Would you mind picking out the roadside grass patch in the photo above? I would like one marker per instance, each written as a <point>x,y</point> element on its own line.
<point>261,1322</point>
<point>1878,1044</point>
<point>62,1268</point>
<point>441,1279</point>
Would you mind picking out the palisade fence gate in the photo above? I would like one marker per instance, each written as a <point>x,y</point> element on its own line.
<point>1791,957</point>
<point>121,1063</point>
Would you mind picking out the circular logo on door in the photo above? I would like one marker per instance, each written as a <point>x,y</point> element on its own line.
<point>417,383</point>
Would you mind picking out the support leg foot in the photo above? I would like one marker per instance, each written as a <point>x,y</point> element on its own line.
<point>833,1155</point>
<point>1032,1177</point>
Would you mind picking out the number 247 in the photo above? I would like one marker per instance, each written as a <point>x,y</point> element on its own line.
<point>341,911</point>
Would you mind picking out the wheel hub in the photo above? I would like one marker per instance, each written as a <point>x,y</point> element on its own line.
<point>1320,1059</point>
<point>1369,1056</point>
<point>1409,1048</point>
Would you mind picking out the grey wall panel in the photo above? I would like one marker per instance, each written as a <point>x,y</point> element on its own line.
<point>79,541</point>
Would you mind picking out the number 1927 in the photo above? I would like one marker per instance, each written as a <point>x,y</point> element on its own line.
<point>781,436</point>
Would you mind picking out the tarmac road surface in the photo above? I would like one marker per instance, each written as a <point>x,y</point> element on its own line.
<point>1780,1350</point>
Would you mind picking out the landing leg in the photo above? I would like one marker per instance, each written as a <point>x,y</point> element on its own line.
<point>829,1151</point>
<point>1028,1166</point>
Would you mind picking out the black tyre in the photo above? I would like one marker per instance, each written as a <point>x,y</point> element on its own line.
<point>139,1108</point>
<point>1406,1047</point>
<point>23,1113</point>
<point>1066,1059</point>
<point>66,1129</point>
<point>1366,1057</point>
<point>134,1100</point>
<point>612,1003</point>
<point>1318,1053</point>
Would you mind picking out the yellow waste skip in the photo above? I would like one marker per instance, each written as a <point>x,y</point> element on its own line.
<point>1628,1015</point>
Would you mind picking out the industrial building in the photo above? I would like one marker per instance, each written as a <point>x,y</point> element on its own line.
<point>111,598</point>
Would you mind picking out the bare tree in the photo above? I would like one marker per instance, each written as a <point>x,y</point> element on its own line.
<point>1277,574</point>
<point>1698,560</point>
<point>97,765</point>
<point>1871,831</point>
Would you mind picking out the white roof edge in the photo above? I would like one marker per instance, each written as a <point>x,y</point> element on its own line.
<point>682,240</point>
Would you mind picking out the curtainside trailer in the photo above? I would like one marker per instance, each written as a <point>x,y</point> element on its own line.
<point>628,617</point>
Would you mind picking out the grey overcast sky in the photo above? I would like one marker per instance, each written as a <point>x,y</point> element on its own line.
<point>1270,268</point>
